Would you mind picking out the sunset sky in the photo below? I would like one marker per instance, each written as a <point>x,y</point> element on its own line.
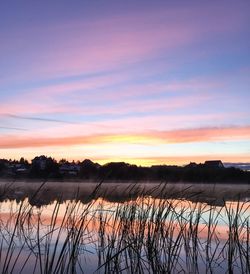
<point>146,82</point>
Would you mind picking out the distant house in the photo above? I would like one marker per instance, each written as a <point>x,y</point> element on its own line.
<point>69,169</point>
<point>22,170</point>
<point>214,164</point>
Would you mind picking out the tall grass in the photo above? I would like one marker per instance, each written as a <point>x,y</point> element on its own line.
<point>142,235</point>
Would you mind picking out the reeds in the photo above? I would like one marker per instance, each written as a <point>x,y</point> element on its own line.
<point>142,235</point>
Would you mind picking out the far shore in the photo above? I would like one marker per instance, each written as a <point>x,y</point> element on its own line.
<point>109,181</point>
<point>119,191</point>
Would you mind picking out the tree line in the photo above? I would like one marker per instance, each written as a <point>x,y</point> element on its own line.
<point>43,167</point>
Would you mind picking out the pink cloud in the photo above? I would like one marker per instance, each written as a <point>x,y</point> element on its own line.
<point>106,43</point>
<point>203,134</point>
<point>134,125</point>
<point>48,104</point>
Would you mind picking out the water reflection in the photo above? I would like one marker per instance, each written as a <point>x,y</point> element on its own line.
<point>128,228</point>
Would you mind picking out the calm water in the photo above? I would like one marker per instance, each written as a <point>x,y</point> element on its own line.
<point>124,228</point>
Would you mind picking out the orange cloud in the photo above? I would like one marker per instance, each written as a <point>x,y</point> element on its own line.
<point>152,137</point>
<point>203,134</point>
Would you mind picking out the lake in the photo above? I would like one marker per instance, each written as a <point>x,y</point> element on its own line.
<point>124,227</point>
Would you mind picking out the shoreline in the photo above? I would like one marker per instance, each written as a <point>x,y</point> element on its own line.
<point>109,181</point>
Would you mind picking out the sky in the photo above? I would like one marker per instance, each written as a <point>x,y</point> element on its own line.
<point>145,82</point>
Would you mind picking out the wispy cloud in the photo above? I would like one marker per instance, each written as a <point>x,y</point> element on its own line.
<point>149,138</point>
<point>102,106</point>
<point>13,128</point>
<point>79,46</point>
<point>37,119</point>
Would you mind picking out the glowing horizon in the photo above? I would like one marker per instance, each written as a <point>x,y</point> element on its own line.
<point>139,82</point>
